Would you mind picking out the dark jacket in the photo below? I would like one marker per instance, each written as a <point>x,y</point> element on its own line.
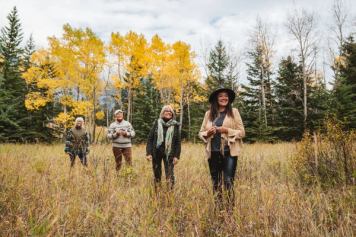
<point>151,147</point>
<point>75,145</point>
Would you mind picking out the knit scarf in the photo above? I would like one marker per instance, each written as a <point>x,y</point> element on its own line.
<point>169,134</point>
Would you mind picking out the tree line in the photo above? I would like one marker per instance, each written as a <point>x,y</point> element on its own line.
<point>78,74</point>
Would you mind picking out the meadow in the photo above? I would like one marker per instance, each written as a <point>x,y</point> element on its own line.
<point>40,195</point>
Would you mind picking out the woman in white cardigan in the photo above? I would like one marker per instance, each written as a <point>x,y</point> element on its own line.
<point>222,131</point>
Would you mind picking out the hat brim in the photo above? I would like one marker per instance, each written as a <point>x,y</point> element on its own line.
<point>214,94</point>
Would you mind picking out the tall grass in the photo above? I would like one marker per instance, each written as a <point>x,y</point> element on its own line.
<point>41,195</point>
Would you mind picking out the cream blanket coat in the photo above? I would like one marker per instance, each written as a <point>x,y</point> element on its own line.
<point>233,138</point>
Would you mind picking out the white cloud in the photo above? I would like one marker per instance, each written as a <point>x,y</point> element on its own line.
<point>198,22</point>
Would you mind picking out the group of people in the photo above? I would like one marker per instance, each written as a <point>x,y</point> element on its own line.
<point>222,131</point>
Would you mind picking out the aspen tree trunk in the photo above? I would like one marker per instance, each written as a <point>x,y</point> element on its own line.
<point>263,94</point>
<point>181,108</point>
<point>93,116</point>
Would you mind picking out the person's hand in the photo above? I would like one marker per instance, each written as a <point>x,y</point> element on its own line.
<point>222,129</point>
<point>125,134</point>
<point>211,131</point>
<point>149,158</point>
<point>175,160</point>
<point>121,132</point>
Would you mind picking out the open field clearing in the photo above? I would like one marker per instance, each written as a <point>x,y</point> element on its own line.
<point>41,195</point>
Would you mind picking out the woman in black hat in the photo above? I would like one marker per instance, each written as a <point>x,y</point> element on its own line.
<point>222,131</point>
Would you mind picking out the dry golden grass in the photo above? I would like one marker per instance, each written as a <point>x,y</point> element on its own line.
<point>40,195</point>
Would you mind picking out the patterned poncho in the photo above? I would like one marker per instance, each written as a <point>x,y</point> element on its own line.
<point>77,141</point>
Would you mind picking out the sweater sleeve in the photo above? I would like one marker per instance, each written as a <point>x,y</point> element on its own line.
<point>131,132</point>
<point>150,140</point>
<point>177,143</point>
<point>239,131</point>
<point>203,133</point>
<point>111,132</point>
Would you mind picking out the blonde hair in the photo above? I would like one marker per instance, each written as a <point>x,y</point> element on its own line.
<point>79,119</point>
<point>167,107</point>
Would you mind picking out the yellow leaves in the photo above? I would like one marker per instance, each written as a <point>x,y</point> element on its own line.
<point>69,70</point>
<point>35,101</point>
<point>199,98</point>
<point>100,115</point>
<point>117,82</point>
<point>131,55</point>
<point>76,108</point>
<point>66,100</point>
<point>340,61</point>
<point>81,108</point>
<point>64,119</point>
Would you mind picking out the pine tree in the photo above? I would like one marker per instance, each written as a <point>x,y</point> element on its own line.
<point>288,89</point>
<point>12,90</point>
<point>257,108</point>
<point>319,104</point>
<point>11,51</point>
<point>345,85</point>
<point>27,53</point>
<point>221,69</point>
<point>146,108</point>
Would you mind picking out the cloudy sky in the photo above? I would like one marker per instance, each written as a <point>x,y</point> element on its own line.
<point>198,22</point>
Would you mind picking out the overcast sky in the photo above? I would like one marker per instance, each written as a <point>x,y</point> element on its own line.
<point>198,22</point>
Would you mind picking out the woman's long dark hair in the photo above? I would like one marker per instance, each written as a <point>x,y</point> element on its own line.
<point>214,109</point>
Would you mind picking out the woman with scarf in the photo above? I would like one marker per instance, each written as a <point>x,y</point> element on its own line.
<point>222,131</point>
<point>164,144</point>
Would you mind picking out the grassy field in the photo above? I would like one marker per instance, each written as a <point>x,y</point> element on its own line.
<point>41,196</point>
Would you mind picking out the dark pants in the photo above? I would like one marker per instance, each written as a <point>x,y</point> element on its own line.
<point>82,157</point>
<point>222,171</point>
<point>168,168</point>
<point>118,153</point>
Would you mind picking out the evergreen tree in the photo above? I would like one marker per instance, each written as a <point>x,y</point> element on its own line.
<point>257,108</point>
<point>345,85</point>
<point>221,69</point>
<point>146,108</point>
<point>288,89</point>
<point>319,105</point>
<point>12,88</point>
<point>28,51</point>
<point>11,51</point>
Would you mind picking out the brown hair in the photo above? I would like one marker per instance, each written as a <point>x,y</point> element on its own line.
<point>214,110</point>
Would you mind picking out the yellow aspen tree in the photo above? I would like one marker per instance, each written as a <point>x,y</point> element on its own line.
<point>115,48</point>
<point>132,54</point>
<point>77,60</point>
<point>159,68</point>
<point>90,53</point>
<point>183,70</point>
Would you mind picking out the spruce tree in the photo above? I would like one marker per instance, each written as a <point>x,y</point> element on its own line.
<point>289,104</point>
<point>12,88</point>
<point>259,119</point>
<point>146,109</point>
<point>345,85</point>
<point>221,69</point>
<point>319,105</point>
<point>11,51</point>
<point>27,53</point>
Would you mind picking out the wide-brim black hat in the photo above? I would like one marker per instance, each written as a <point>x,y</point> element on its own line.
<point>214,94</point>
